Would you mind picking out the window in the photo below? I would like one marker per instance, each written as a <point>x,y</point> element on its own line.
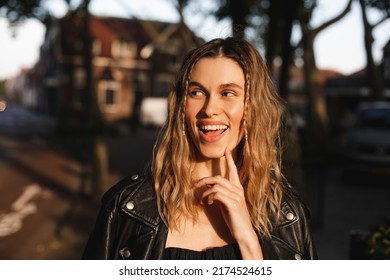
<point>123,48</point>
<point>108,96</point>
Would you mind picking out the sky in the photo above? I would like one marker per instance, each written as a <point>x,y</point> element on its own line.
<point>339,47</point>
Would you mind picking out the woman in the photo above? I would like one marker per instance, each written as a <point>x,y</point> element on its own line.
<point>215,188</point>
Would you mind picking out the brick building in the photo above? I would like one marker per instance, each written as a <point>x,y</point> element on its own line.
<point>132,59</point>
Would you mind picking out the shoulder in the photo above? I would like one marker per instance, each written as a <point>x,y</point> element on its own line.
<point>135,198</point>
<point>291,234</point>
<point>128,186</point>
<point>292,202</point>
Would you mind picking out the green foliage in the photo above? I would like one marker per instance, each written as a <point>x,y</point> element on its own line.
<point>16,10</point>
<point>381,5</point>
<point>378,242</point>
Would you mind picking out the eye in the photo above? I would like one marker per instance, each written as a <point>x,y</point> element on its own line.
<point>196,92</point>
<point>228,93</point>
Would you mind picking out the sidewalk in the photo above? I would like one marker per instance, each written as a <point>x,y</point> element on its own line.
<point>62,222</point>
<point>60,228</point>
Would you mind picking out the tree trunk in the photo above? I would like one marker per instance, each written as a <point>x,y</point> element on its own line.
<point>313,88</point>
<point>317,121</point>
<point>289,14</point>
<point>272,32</point>
<point>97,160</point>
<point>372,71</point>
<point>316,134</point>
<point>238,9</point>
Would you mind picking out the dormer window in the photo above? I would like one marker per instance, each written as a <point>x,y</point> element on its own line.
<point>123,48</point>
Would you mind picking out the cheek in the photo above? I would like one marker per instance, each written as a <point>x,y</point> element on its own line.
<point>190,116</point>
<point>192,109</point>
<point>236,114</point>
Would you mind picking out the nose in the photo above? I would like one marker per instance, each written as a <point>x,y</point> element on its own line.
<point>212,106</point>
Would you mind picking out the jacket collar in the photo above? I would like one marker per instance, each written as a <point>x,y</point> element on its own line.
<point>140,202</point>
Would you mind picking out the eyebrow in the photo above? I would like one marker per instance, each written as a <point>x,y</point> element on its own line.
<point>227,85</point>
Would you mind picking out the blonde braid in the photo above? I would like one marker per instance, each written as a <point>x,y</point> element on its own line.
<point>246,104</point>
<point>185,96</point>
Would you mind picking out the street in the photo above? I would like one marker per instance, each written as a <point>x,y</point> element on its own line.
<point>38,218</point>
<point>349,210</point>
<point>43,215</point>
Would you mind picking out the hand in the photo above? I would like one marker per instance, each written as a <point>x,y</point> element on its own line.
<point>230,193</point>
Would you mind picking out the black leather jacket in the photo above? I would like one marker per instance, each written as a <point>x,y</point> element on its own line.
<point>129,226</point>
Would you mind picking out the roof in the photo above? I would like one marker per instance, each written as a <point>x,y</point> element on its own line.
<point>142,31</point>
<point>145,33</point>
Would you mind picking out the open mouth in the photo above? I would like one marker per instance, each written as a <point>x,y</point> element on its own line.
<point>213,130</point>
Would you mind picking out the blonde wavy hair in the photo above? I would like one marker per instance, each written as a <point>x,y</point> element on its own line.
<point>258,155</point>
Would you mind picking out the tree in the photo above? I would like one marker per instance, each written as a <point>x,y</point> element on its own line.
<point>312,86</point>
<point>180,7</point>
<point>277,18</point>
<point>237,11</point>
<point>317,125</point>
<point>16,11</point>
<point>97,163</point>
<point>373,74</point>
<point>281,17</point>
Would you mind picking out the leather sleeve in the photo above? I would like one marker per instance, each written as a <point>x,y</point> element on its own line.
<point>98,245</point>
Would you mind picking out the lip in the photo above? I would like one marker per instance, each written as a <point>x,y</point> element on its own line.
<point>204,122</point>
<point>208,138</point>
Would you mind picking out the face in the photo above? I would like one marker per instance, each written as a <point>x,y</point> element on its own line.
<point>215,106</point>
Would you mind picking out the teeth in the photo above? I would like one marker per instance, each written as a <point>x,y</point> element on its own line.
<point>213,127</point>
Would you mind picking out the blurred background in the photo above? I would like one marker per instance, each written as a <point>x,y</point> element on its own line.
<point>83,92</point>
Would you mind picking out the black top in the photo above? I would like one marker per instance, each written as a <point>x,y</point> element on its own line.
<point>227,252</point>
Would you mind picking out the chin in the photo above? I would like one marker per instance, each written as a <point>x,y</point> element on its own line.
<point>211,153</point>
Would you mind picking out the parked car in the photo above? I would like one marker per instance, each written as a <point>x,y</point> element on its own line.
<point>368,141</point>
<point>154,111</point>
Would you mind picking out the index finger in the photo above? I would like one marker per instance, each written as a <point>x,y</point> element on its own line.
<point>232,168</point>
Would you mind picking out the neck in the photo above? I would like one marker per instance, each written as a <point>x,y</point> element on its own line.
<point>209,167</point>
